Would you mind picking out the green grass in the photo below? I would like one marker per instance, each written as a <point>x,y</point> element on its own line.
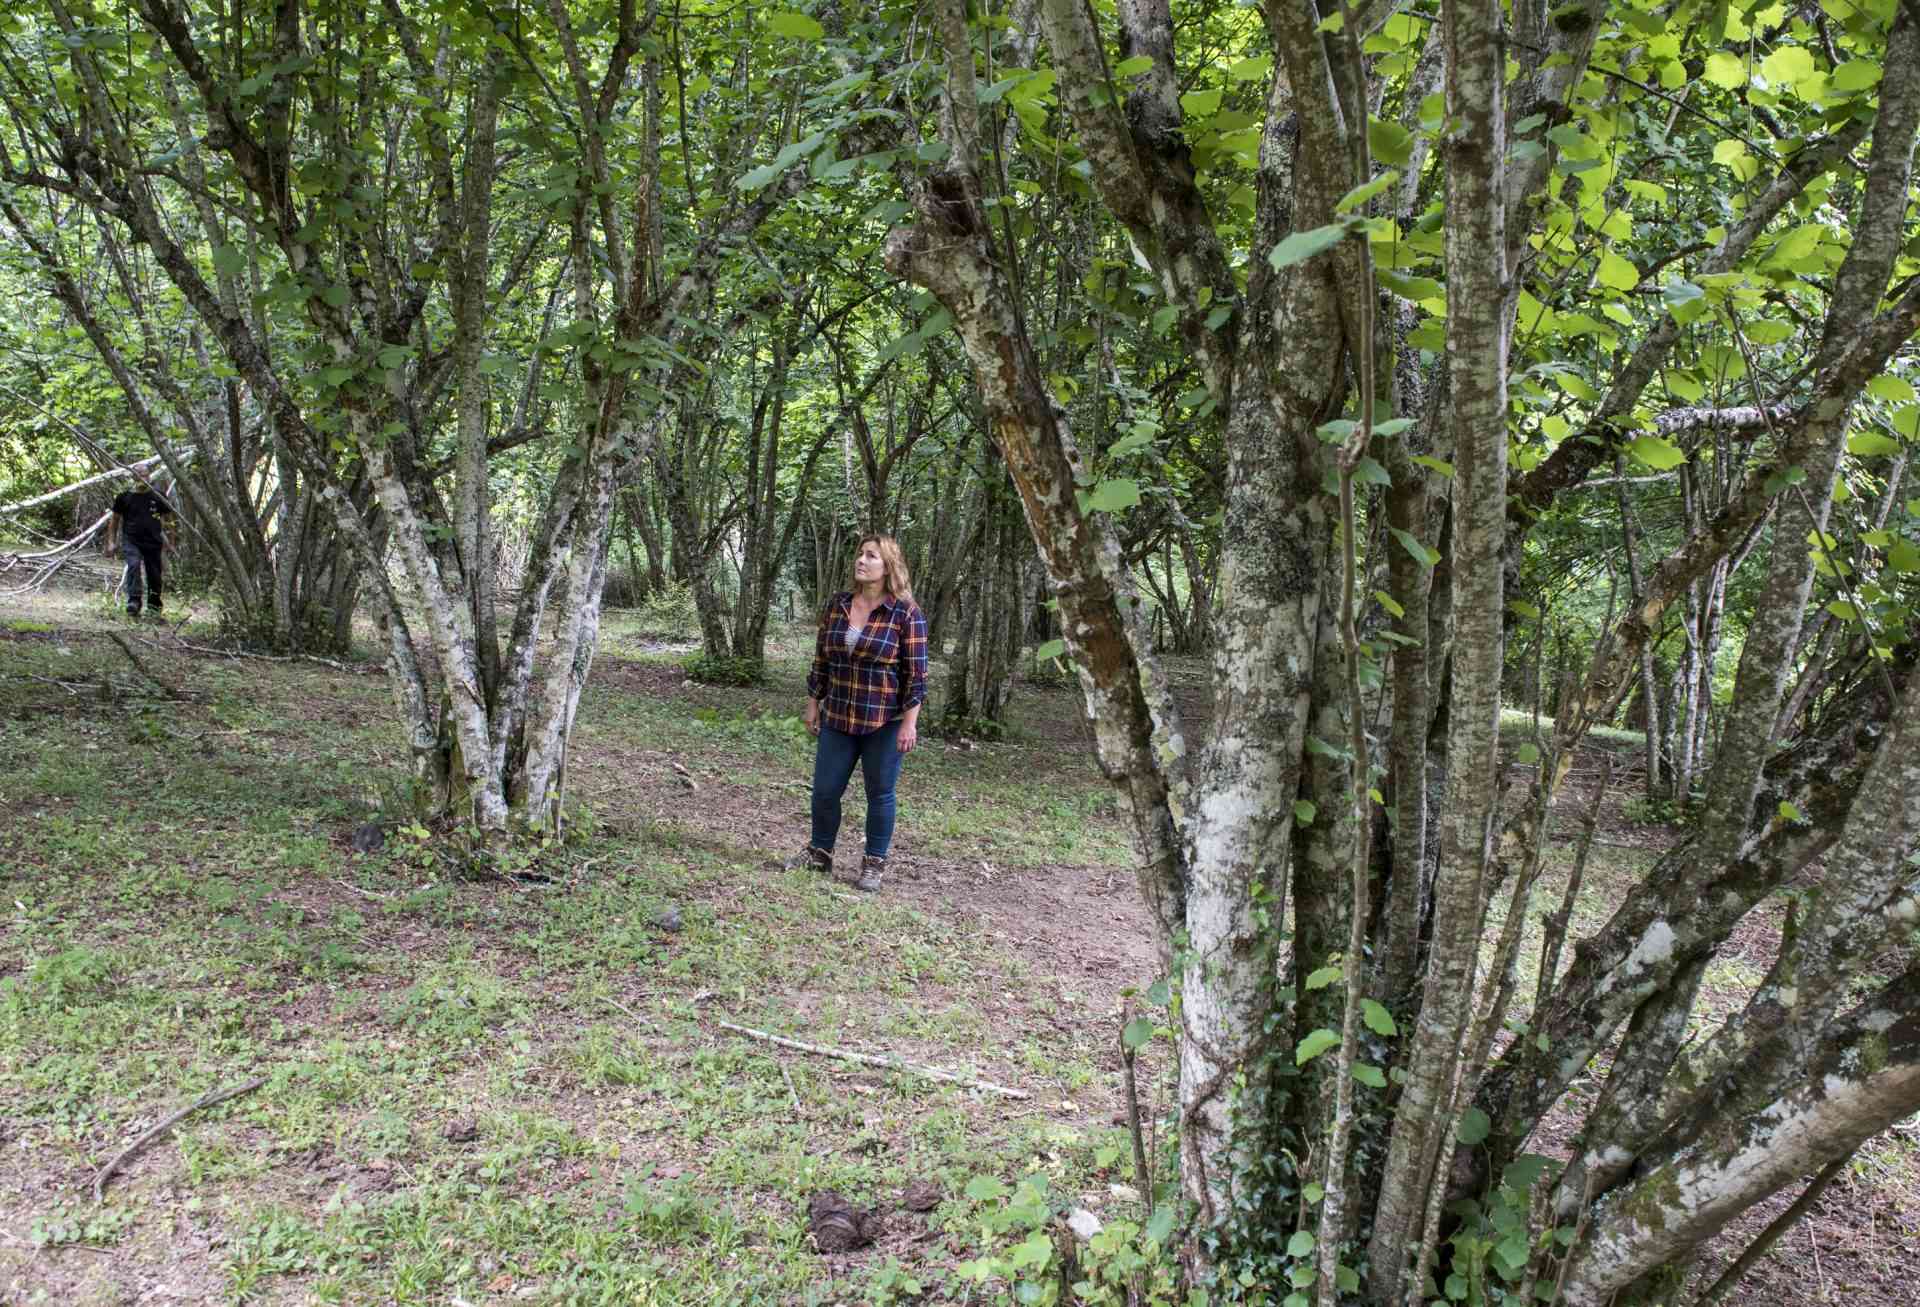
<point>1517,724</point>
<point>185,914</point>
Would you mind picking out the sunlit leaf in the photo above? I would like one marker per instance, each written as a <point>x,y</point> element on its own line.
<point>800,27</point>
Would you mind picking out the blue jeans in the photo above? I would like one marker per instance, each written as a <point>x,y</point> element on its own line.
<point>139,558</point>
<point>834,755</point>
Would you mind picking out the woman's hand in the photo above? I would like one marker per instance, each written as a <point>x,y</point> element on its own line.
<point>810,716</point>
<point>909,732</point>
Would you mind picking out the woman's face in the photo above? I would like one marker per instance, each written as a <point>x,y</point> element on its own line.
<point>868,567</point>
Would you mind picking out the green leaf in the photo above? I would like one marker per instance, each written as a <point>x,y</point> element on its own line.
<point>1856,75</point>
<point>336,296</point>
<point>1410,287</point>
<point>1113,496</point>
<point>1303,245</point>
<point>758,177</point>
<point>1322,977</point>
<point>1316,1043</point>
<point>1524,1172</point>
<point>1895,390</point>
<point>1251,70</point>
<point>1378,1019</point>
<point>1684,300</point>
<point>800,27</point>
<point>1359,195</point>
<point>1903,557</point>
<point>1616,272</point>
<point>1868,443</point>
<point>1389,142</point>
<point>1313,1193</point>
<point>1726,71</point>
<point>1303,812</point>
<point>1138,1031</point>
<point>1368,1074</point>
<point>1200,104</point>
<point>985,1189</point>
<point>1051,649</point>
<point>1439,465</point>
<point>1787,65</point>
<point>1300,1244</point>
<point>1036,1250</point>
<point>1421,554</point>
<point>1656,453</point>
<point>229,259</point>
<point>1790,814</point>
<point>1133,67</point>
<point>1368,472</point>
<point>1389,603</point>
<point>1474,1127</point>
<point>1527,755</point>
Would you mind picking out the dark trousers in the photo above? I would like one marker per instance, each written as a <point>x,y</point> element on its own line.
<point>834,756</point>
<point>141,557</point>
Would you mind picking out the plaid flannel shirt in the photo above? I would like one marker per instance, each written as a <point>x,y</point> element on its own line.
<point>884,674</point>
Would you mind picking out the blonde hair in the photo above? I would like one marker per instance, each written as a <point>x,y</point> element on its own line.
<point>893,564</point>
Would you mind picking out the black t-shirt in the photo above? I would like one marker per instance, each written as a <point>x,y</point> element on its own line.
<point>140,513</point>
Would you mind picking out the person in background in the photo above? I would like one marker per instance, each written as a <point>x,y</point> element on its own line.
<point>864,691</point>
<point>138,529</point>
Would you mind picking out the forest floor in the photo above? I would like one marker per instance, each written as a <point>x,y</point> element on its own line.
<point>518,1088</point>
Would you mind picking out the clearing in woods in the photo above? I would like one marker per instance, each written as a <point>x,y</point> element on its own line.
<point>515,1087</point>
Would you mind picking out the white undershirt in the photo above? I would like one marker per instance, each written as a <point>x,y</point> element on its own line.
<point>853,637</point>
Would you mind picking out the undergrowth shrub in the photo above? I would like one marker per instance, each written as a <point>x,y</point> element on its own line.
<point>1031,1250</point>
<point>671,609</point>
<point>736,673</point>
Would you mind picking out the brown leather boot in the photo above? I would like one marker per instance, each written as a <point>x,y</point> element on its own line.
<point>819,859</point>
<point>871,870</point>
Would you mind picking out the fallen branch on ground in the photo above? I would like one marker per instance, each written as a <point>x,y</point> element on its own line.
<point>126,648</point>
<point>47,563</point>
<point>635,1015</point>
<point>126,1154</point>
<point>334,663</point>
<point>868,1059</point>
<point>375,895</point>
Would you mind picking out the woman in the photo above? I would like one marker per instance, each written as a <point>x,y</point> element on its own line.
<point>864,692</point>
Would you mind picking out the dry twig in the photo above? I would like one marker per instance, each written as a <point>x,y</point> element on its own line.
<point>126,1154</point>
<point>650,1025</point>
<point>375,895</point>
<point>868,1059</point>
